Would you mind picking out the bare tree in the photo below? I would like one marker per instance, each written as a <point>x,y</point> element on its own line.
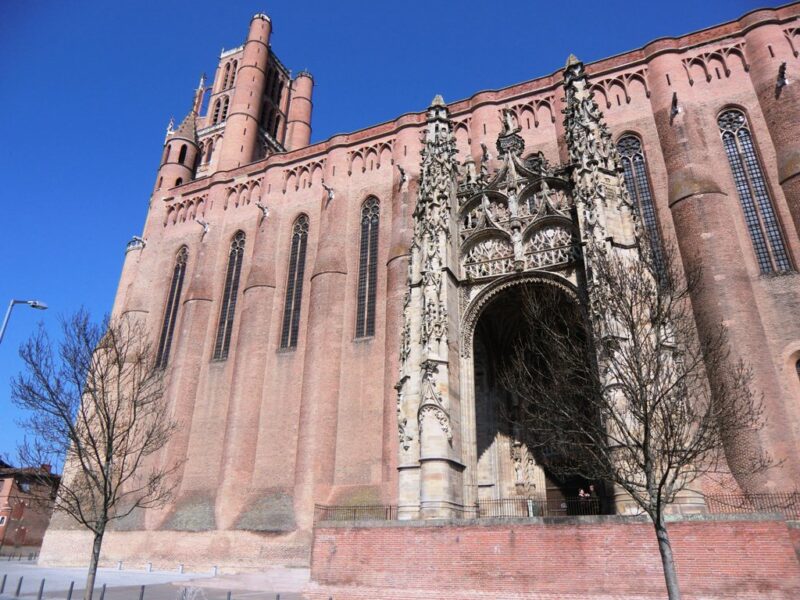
<point>95,401</point>
<point>624,389</point>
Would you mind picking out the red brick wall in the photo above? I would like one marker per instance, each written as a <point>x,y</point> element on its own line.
<point>717,559</point>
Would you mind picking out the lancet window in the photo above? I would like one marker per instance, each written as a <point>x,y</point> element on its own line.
<point>215,117</point>
<point>638,184</point>
<point>182,154</point>
<point>227,313</point>
<point>171,311</point>
<point>759,213</point>
<point>294,284</point>
<point>368,268</point>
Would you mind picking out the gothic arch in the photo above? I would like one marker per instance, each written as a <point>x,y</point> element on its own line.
<point>475,308</point>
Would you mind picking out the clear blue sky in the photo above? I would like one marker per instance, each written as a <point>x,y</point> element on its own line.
<point>88,88</point>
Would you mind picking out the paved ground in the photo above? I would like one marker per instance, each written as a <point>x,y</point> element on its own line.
<point>159,585</point>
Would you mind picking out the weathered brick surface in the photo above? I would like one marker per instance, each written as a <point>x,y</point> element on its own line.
<point>269,432</point>
<point>614,558</point>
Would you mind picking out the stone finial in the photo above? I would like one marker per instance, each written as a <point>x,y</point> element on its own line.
<point>572,60</point>
<point>261,16</point>
<point>437,100</point>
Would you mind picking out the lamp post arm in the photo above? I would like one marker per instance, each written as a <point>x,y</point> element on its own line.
<point>7,317</point>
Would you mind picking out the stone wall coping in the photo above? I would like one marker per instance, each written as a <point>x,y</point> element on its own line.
<point>570,520</point>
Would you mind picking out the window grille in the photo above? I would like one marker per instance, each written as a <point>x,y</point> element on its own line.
<point>225,326</point>
<point>368,268</point>
<point>233,73</point>
<point>226,76</point>
<point>217,105</point>
<point>759,214</point>
<point>171,312</point>
<point>294,284</point>
<point>638,184</point>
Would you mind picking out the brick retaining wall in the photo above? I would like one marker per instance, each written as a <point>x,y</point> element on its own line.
<point>732,557</point>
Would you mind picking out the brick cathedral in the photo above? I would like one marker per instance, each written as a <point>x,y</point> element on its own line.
<point>322,309</point>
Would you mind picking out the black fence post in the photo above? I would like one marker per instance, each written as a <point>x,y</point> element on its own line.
<point>229,595</point>
<point>141,593</point>
<point>19,587</point>
<point>3,584</point>
<point>69,593</point>
<point>103,592</point>
<point>41,591</point>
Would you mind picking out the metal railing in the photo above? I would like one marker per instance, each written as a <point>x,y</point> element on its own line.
<point>542,507</point>
<point>784,503</point>
<point>363,512</point>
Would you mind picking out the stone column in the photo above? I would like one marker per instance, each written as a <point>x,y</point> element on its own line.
<point>405,153</point>
<point>247,385</point>
<point>704,204</point>
<point>316,451</point>
<point>189,353</point>
<point>771,61</point>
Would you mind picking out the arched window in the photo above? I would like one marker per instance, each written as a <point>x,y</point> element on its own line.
<point>182,154</point>
<point>178,181</point>
<point>209,151</point>
<point>229,294</point>
<point>233,73</point>
<point>294,284</point>
<point>368,268</point>
<point>160,180</point>
<point>225,77</point>
<point>224,109</point>
<point>638,184</point>
<point>171,311</point>
<point>759,214</point>
<point>215,118</point>
<point>166,154</point>
<point>797,368</point>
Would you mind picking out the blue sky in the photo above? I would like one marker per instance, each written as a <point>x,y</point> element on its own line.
<point>88,88</point>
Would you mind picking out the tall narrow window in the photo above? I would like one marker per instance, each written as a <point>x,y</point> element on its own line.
<point>759,214</point>
<point>209,151</point>
<point>224,109</point>
<point>226,76</point>
<point>171,311</point>
<point>233,73</point>
<point>635,167</point>
<point>294,284</point>
<point>228,310</point>
<point>182,154</point>
<point>368,268</point>
<point>215,119</point>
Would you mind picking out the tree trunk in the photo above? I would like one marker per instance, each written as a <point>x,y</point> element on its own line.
<point>90,577</point>
<point>667,562</point>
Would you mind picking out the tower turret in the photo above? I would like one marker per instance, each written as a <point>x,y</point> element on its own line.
<point>298,133</point>
<point>181,148</point>
<point>241,137</point>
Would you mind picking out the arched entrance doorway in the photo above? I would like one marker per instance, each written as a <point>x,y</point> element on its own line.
<point>510,464</point>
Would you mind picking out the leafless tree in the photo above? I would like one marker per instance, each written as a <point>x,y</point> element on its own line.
<point>625,389</point>
<point>94,400</point>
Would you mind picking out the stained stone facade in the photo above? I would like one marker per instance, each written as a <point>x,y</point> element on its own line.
<point>328,314</point>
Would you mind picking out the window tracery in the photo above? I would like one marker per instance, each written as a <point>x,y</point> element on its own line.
<point>751,186</point>
<point>229,296</point>
<point>636,180</point>
<point>294,285</point>
<point>171,311</point>
<point>368,268</point>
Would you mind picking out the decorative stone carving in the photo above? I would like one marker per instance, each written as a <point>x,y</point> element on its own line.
<point>424,337</point>
<point>493,256</point>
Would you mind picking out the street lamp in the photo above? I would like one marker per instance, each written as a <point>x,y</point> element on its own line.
<point>37,304</point>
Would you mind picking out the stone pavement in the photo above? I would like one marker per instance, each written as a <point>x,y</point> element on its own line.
<point>159,585</point>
